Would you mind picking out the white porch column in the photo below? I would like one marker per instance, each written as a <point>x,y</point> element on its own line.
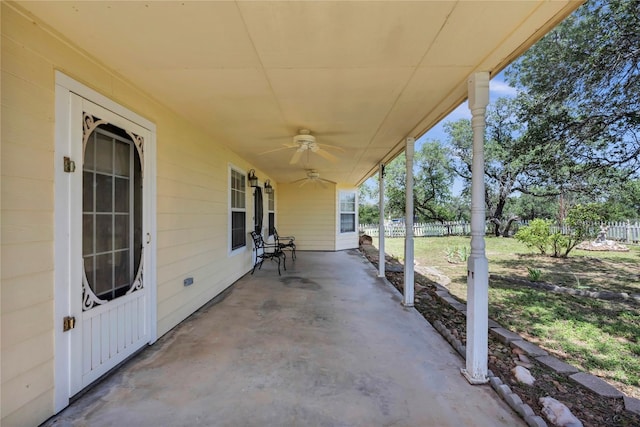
<point>477,265</point>
<point>408,222</point>
<point>381,255</point>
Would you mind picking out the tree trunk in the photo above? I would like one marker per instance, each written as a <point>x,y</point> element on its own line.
<point>505,232</point>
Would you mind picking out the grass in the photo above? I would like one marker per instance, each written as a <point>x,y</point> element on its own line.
<point>598,336</point>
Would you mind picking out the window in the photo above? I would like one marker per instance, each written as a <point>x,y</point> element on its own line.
<point>238,210</point>
<point>272,215</point>
<point>111,212</point>
<point>347,212</point>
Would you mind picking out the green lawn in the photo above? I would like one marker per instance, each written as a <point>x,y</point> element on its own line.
<point>595,335</point>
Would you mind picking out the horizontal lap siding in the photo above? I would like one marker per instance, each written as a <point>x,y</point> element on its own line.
<point>27,232</point>
<point>308,213</point>
<point>192,209</point>
<point>192,201</point>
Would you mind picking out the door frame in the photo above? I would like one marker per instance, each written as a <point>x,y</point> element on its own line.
<point>65,146</point>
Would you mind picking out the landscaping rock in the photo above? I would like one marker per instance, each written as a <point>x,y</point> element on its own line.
<point>529,348</point>
<point>443,294</point>
<point>632,404</point>
<point>504,390</point>
<point>462,308</point>
<point>535,421</point>
<point>596,385</point>
<point>495,382</point>
<point>557,365</point>
<point>365,240</point>
<point>513,400</point>
<point>558,414</point>
<point>505,336</point>
<point>494,324</point>
<point>523,375</point>
<point>525,411</point>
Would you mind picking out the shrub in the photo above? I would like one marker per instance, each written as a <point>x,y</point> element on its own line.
<point>535,235</point>
<point>534,274</point>
<point>463,253</point>
<point>457,254</point>
<point>581,220</point>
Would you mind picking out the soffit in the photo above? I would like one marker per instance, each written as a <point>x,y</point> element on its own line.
<point>361,75</point>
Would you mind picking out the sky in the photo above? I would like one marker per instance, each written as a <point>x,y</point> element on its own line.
<point>497,88</point>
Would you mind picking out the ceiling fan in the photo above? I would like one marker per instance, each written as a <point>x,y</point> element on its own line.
<point>305,142</point>
<point>314,177</point>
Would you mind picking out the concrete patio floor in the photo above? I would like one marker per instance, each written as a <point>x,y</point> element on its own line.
<point>325,344</point>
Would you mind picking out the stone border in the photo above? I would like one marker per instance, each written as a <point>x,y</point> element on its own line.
<point>605,295</point>
<point>591,382</point>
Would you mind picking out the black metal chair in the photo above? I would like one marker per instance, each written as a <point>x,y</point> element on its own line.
<point>285,242</point>
<point>266,251</point>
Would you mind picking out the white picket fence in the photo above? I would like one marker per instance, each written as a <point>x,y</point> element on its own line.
<point>622,231</point>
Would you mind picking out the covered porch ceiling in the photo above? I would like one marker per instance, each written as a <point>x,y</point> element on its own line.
<point>360,75</point>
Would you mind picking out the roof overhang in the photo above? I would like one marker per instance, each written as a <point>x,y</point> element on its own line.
<point>361,75</point>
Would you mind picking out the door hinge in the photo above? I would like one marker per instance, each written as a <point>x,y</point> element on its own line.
<point>69,165</point>
<point>68,323</point>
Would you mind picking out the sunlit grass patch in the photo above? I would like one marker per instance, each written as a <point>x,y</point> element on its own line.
<point>595,335</point>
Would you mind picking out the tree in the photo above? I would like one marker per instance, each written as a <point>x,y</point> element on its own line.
<point>530,207</point>
<point>368,214</point>
<point>581,220</point>
<point>433,179</point>
<point>506,172</point>
<point>623,202</point>
<point>580,98</point>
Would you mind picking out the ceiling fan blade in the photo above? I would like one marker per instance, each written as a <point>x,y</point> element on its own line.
<point>304,181</point>
<point>335,147</point>
<point>322,184</point>
<point>326,180</point>
<point>326,155</point>
<point>272,151</point>
<point>299,180</point>
<point>296,157</point>
<point>284,147</point>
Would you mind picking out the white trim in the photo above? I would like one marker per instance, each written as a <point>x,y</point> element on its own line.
<point>233,252</point>
<point>65,107</point>
<point>97,98</point>
<point>62,268</point>
<point>409,273</point>
<point>381,252</point>
<point>355,212</point>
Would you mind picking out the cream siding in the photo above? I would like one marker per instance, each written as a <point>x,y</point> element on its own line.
<point>308,213</point>
<point>192,209</point>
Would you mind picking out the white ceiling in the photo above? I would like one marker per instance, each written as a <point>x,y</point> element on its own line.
<point>361,75</point>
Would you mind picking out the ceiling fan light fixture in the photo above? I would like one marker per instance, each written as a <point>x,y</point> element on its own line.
<point>304,139</point>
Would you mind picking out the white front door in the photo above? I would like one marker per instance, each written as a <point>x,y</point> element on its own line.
<point>104,255</point>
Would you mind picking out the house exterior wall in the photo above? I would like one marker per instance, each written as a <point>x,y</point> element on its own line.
<point>192,209</point>
<point>308,213</point>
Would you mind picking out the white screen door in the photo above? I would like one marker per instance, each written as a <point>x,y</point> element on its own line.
<point>108,290</point>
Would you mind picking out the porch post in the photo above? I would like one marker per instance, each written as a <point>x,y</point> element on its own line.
<point>408,222</point>
<point>477,264</point>
<point>381,255</point>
